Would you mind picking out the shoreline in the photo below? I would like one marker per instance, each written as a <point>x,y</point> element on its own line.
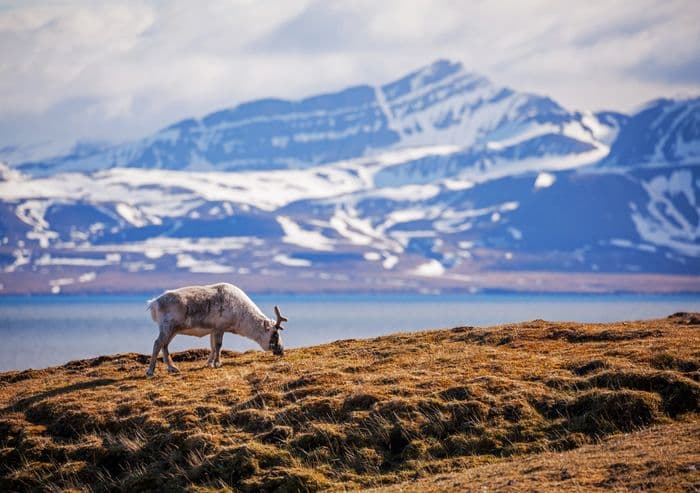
<point>372,295</point>
<point>113,282</point>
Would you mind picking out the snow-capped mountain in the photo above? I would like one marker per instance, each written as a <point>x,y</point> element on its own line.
<point>441,104</point>
<point>440,180</point>
<point>663,132</point>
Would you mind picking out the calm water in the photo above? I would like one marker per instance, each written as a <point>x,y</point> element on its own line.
<point>38,332</point>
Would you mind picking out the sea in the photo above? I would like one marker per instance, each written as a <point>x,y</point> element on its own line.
<point>42,331</point>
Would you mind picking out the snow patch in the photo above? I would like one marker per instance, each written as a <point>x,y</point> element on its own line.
<point>32,212</point>
<point>56,284</point>
<point>664,224</point>
<point>295,235</point>
<point>431,268</point>
<point>407,192</point>
<point>185,261</point>
<point>43,237</point>
<point>523,135</point>
<point>601,132</point>
<point>47,259</point>
<point>291,262</point>
<point>456,185</point>
<point>131,214</point>
<point>87,277</point>
<point>622,243</point>
<point>348,225</point>
<point>159,246</point>
<point>9,174</point>
<point>515,233</point>
<point>390,261</point>
<point>372,256</point>
<point>22,257</point>
<point>139,266</point>
<point>545,180</point>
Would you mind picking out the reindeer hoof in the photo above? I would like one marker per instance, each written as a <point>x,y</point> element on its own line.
<point>217,364</point>
<point>149,373</point>
<point>173,369</point>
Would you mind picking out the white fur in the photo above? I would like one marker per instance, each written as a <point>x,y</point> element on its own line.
<point>207,310</point>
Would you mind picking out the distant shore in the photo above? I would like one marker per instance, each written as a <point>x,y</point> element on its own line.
<point>115,282</point>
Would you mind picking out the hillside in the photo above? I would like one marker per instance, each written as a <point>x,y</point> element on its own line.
<point>555,405</point>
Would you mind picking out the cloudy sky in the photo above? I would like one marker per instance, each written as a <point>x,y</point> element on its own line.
<point>119,70</point>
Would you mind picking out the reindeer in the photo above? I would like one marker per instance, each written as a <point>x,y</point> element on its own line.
<point>211,310</point>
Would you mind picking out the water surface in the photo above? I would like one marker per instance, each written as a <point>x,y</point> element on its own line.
<point>37,332</point>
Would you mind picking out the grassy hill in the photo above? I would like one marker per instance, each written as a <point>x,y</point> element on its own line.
<point>542,405</point>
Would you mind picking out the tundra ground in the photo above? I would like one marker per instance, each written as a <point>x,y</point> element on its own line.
<point>536,405</point>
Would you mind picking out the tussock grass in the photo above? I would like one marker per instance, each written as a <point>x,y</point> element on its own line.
<point>353,414</point>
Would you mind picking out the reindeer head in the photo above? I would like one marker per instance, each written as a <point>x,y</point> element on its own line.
<point>275,344</point>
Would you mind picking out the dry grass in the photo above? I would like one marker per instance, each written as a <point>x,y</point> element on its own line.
<point>660,458</point>
<point>446,409</point>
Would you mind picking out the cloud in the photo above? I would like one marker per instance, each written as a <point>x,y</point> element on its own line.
<point>669,69</point>
<point>320,28</point>
<point>117,71</point>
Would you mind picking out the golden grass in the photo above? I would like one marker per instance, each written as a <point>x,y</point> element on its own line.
<point>438,410</point>
<point>661,458</point>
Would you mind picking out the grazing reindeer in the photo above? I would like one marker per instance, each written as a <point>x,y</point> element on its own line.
<point>211,310</point>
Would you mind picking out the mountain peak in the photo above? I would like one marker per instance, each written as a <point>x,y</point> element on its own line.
<point>437,71</point>
<point>439,104</point>
<point>663,131</point>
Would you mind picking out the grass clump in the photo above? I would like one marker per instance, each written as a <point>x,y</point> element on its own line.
<point>599,412</point>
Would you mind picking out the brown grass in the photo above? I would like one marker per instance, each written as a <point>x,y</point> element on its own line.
<point>660,458</point>
<point>439,410</point>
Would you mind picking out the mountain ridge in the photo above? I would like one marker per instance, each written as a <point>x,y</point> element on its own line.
<point>445,182</point>
<point>440,104</point>
<point>664,131</point>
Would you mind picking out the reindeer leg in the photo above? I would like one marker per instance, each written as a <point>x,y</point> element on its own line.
<point>212,343</point>
<point>157,345</point>
<point>218,342</point>
<point>167,358</point>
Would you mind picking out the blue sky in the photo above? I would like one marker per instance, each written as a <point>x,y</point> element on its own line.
<point>119,70</point>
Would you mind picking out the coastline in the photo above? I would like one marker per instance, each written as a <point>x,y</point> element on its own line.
<point>114,282</point>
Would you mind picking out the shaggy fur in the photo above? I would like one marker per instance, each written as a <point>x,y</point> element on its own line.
<point>211,310</point>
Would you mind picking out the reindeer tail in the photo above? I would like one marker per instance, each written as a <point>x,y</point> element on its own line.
<point>153,306</point>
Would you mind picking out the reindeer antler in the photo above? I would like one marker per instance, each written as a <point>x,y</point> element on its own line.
<point>280,318</point>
